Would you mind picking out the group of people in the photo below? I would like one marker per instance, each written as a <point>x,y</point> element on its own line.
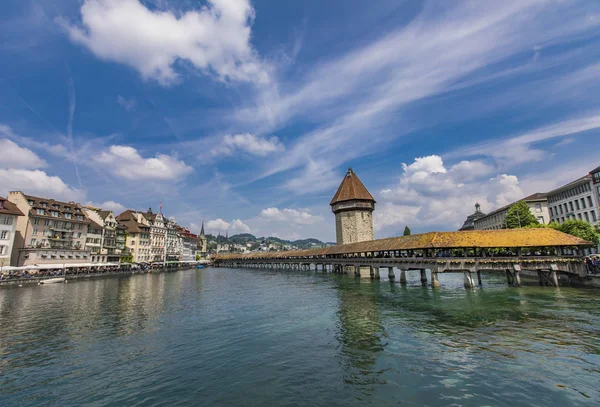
<point>593,264</point>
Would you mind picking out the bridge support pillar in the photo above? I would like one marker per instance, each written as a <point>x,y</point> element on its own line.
<point>469,283</point>
<point>356,271</point>
<point>391,274</point>
<point>479,278</point>
<point>403,277</point>
<point>423,277</point>
<point>375,272</point>
<point>554,277</point>
<point>435,283</point>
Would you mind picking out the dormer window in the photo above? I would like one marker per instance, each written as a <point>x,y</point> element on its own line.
<point>30,202</point>
<point>44,205</point>
<point>56,206</point>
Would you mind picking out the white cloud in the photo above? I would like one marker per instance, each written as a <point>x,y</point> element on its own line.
<point>126,162</point>
<point>217,225</point>
<point>469,170</point>
<point>215,38</point>
<point>39,183</point>
<point>260,146</point>
<point>238,226</point>
<point>300,217</point>
<point>116,207</point>
<point>128,104</point>
<point>428,194</point>
<point>13,156</point>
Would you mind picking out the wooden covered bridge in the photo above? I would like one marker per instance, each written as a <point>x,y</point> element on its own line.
<point>544,250</point>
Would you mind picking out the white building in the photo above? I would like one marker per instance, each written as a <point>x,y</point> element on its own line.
<point>158,235</point>
<point>173,241</point>
<point>538,206</point>
<point>9,214</point>
<point>576,200</point>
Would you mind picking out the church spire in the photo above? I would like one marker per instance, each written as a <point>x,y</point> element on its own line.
<point>202,229</point>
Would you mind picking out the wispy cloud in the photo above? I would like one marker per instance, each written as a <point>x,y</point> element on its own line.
<point>521,148</point>
<point>357,96</point>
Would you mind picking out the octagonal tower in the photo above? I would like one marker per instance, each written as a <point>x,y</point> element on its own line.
<point>353,207</point>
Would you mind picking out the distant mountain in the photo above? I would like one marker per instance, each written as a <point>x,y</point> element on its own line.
<point>301,244</point>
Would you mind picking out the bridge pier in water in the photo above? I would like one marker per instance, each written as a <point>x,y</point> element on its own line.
<point>423,277</point>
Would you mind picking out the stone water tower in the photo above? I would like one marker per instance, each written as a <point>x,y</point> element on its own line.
<point>353,206</point>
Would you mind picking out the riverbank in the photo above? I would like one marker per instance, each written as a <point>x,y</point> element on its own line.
<point>82,276</point>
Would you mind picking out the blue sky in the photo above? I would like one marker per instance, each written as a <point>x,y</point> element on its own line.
<point>247,114</point>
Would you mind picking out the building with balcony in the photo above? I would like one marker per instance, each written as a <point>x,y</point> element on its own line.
<point>9,214</point>
<point>158,235</point>
<point>174,241</point>
<point>49,231</point>
<point>538,206</point>
<point>109,252</point>
<point>189,244</point>
<point>136,231</point>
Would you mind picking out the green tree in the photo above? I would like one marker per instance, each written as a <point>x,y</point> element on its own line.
<point>580,228</point>
<point>406,231</point>
<point>519,216</point>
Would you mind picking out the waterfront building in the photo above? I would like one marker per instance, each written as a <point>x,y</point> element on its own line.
<point>202,249</point>
<point>49,232</point>
<point>189,244</point>
<point>538,206</point>
<point>103,227</point>
<point>110,250</point>
<point>9,214</point>
<point>173,241</point>
<point>125,255</point>
<point>575,200</point>
<point>353,207</point>
<point>137,236</point>
<point>595,174</point>
<point>158,235</point>
<point>470,221</point>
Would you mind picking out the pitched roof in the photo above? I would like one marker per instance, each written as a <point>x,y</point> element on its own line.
<point>351,188</point>
<point>504,238</point>
<point>104,214</point>
<point>59,206</point>
<point>9,208</point>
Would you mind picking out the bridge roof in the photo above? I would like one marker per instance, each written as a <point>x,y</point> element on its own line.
<point>505,238</point>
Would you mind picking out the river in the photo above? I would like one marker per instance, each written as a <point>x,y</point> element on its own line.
<point>241,337</point>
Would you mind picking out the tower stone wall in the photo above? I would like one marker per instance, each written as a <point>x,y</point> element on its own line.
<point>353,226</point>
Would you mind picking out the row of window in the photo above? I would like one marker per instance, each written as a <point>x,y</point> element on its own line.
<point>48,232</point>
<point>587,216</point>
<point>58,224</point>
<point>56,214</point>
<point>8,220</point>
<point>572,206</point>
<point>578,190</point>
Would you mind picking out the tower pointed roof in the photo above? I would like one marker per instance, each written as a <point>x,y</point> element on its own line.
<point>202,229</point>
<point>350,189</point>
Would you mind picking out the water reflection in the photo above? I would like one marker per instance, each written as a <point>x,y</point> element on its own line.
<point>362,334</point>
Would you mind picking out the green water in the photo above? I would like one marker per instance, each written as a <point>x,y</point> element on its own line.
<point>237,337</point>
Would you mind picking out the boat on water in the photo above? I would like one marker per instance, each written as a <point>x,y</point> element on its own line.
<point>53,280</point>
<point>200,266</point>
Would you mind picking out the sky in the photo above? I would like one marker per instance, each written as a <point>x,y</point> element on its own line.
<point>247,114</point>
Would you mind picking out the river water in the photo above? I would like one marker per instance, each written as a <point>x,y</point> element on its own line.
<point>240,337</point>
